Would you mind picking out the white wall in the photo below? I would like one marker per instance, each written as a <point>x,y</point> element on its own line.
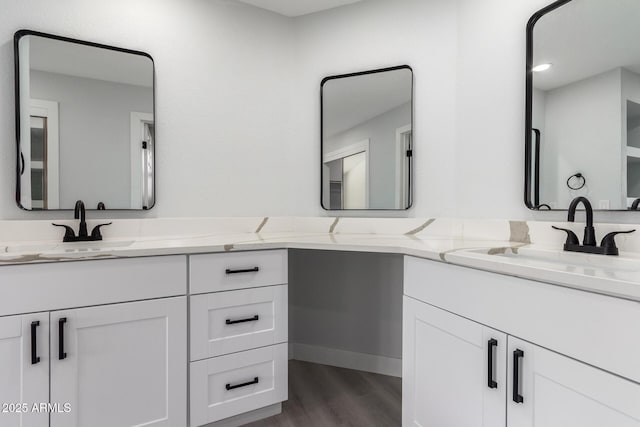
<point>238,97</point>
<point>95,121</point>
<point>223,97</point>
<point>381,132</point>
<point>375,34</point>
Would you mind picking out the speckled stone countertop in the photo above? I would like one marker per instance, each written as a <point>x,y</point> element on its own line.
<point>525,249</point>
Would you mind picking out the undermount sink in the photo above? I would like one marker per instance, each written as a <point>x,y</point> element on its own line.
<point>555,259</point>
<point>68,247</point>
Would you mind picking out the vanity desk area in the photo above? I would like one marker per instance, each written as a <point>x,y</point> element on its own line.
<point>362,310</point>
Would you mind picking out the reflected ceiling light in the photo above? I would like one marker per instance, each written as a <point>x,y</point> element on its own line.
<point>541,67</point>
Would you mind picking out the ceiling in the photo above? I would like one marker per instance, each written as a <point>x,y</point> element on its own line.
<point>297,7</point>
<point>348,102</point>
<point>585,38</point>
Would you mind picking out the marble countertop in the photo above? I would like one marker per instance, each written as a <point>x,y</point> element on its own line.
<point>614,276</point>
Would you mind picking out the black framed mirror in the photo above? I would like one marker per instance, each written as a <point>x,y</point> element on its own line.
<point>85,124</point>
<point>582,135</point>
<point>367,140</point>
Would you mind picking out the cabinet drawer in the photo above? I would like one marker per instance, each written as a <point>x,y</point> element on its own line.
<point>225,272</point>
<point>229,322</point>
<point>225,386</point>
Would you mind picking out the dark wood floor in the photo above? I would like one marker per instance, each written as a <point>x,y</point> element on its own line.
<point>324,396</point>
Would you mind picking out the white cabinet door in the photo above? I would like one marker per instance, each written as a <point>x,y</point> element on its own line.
<point>24,370</point>
<point>556,391</point>
<point>446,370</point>
<point>120,365</point>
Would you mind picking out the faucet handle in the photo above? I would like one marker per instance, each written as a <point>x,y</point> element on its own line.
<point>572,238</point>
<point>95,233</point>
<point>69,234</point>
<point>609,242</point>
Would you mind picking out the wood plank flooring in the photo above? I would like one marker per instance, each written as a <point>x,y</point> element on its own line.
<point>325,396</point>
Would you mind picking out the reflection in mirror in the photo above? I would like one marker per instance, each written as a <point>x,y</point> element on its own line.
<point>583,98</point>
<point>86,128</point>
<point>367,140</point>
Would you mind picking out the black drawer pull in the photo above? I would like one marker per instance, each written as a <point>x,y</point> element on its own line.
<point>250,319</point>
<point>231,387</point>
<point>245,270</point>
<point>491,383</point>
<point>517,355</point>
<point>61,354</point>
<point>34,342</point>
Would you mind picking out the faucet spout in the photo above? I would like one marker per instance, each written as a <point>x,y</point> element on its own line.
<point>589,231</point>
<point>80,213</point>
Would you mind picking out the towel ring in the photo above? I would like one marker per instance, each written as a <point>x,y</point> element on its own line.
<point>577,176</point>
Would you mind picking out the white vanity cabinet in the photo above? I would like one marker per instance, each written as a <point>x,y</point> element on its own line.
<point>238,306</point>
<point>454,370</point>
<point>113,361</point>
<point>446,357</point>
<point>120,365</point>
<point>24,369</point>
<point>557,391</point>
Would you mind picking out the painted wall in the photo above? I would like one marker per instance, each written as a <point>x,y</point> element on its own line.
<point>238,95</point>
<point>95,121</point>
<point>347,301</point>
<point>223,97</point>
<point>381,132</point>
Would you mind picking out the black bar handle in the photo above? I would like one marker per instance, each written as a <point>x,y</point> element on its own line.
<point>517,355</point>
<point>491,383</point>
<point>250,319</point>
<point>34,342</point>
<point>61,354</point>
<point>231,387</point>
<point>244,270</point>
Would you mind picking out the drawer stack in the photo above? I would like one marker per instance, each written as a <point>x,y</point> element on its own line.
<point>239,316</point>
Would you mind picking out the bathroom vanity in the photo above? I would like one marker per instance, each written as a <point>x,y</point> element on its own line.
<point>200,336</point>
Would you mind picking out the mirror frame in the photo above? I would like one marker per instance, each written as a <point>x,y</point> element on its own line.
<point>411,162</point>
<point>16,39</point>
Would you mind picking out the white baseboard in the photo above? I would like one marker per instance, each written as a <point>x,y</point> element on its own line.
<point>346,359</point>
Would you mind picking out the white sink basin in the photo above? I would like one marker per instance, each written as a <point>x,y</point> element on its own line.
<point>31,248</point>
<point>93,246</point>
<point>68,247</point>
<point>561,260</point>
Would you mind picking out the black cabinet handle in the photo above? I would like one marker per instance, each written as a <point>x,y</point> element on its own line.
<point>231,387</point>
<point>250,319</point>
<point>34,342</point>
<point>245,270</point>
<point>517,355</point>
<point>491,383</point>
<point>61,354</point>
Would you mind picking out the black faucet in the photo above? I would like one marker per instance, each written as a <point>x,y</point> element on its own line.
<point>589,232</point>
<point>79,212</point>
<point>634,205</point>
<point>572,244</point>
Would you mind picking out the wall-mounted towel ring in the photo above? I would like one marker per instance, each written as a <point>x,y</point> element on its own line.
<point>581,181</point>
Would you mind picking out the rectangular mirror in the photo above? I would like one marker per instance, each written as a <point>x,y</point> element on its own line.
<point>367,140</point>
<point>583,105</point>
<point>85,124</point>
